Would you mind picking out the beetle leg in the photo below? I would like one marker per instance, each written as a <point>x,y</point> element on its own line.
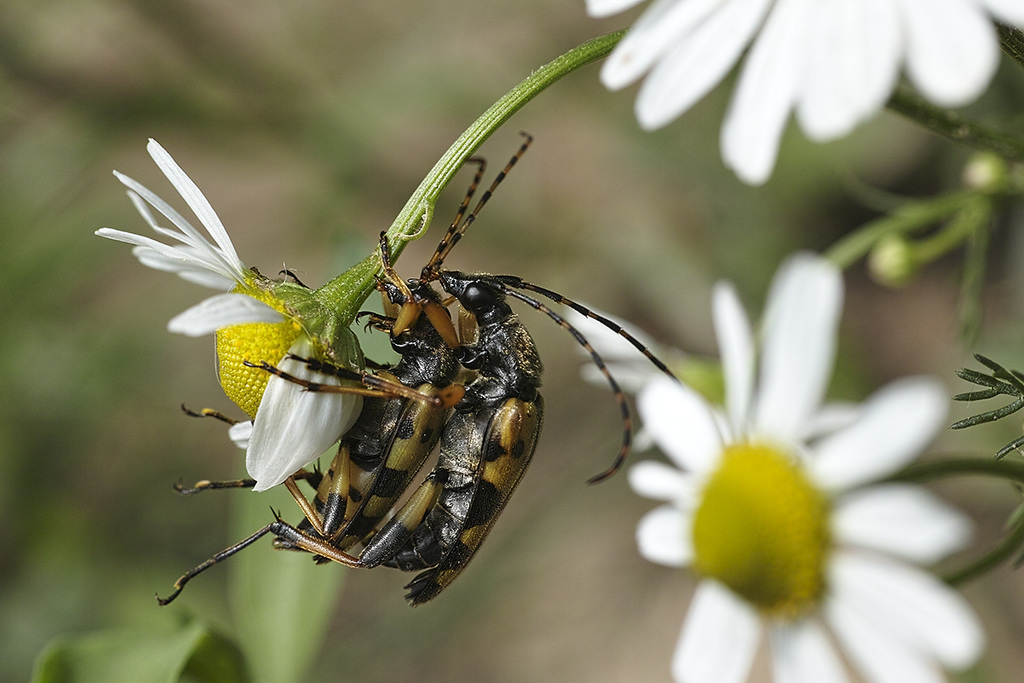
<point>399,529</point>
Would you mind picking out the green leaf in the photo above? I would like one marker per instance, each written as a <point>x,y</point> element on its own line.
<point>192,653</point>
<point>281,600</point>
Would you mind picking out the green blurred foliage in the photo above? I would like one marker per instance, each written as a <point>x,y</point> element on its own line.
<point>307,124</point>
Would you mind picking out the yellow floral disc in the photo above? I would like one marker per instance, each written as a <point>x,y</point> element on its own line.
<point>253,342</point>
<point>762,530</point>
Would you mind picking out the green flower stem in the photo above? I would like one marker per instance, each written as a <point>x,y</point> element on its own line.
<point>906,219</point>
<point>352,287</point>
<point>955,126</point>
<point>1012,41</point>
<point>942,469</point>
<point>1008,547</point>
<point>975,212</point>
<point>1012,470</point>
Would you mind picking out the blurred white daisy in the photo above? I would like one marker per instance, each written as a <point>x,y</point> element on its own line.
<point>835,62</point>
<point>291,427</point>
<point>770,503</point>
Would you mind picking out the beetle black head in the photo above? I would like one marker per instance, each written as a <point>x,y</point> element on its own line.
<point>481,295</point>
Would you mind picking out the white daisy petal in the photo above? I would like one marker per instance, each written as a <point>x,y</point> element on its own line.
<point>227,264</point>
<point>910,607</point>
<point>853,66</point>
<point>952,49</point>
<point>681,423</point>
<point>800,324</point>
<point>195,273</point>
<point>293,427</point>
<point>902,520</point>
<point>663,536</point>
<point>874,652</point>
<point>1009,11</point>
<point>690,69</point>
<point>195,199</point>
<point>895,425</point>
<point>719,638</point>
<point>802,653</point>
<point>736,343</point>
<point>831,418</point>
<point>241,433</point>
<point>604,8</point>
<point>223,310</point>
<point>660,26</point>
<point>169,255</point>
<point>767,89</point>
<point>653,479</point>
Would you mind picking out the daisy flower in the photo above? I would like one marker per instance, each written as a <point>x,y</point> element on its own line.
<point>254,320</point>
<point>833,62</point>
<point>771,504</point>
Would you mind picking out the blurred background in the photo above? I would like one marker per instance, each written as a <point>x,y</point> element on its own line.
<point>307,124</point>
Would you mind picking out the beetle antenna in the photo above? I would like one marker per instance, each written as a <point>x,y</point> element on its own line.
<point>455,232</point>
<point>518,283</point>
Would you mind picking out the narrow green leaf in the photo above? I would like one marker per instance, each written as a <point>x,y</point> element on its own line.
<point>281,600</point>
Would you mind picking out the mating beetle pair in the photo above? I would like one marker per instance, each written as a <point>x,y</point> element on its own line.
<point>488,430</point>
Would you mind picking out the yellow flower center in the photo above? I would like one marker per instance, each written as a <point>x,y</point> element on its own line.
<point>253,342</point>
<point>762,530</point>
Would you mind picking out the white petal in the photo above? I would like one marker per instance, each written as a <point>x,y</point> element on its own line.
<point>223,310</point>
<point>736,344</point>
<point>663,536</point>
<point>802,653</point>
<point>653,479</point>
<point>832,417</point>
<point>719,638</point>
<point>902,520</point>
<point>662,25</point>
<point>604,8</point>
<point>853,68</point>
<point>769,85</point>
<point>293,427</point>
<point>1009,11</point>
<point>228,264</point>
<point>800,324</point>
<point>195,199</point>
<point>878,656</point>
<point>698,61</point>
<point>199,272</point>
<point>895,425</point>
<point>163,257</point>
<point>681,423</point>
<point>909,606</point>
<point>952,49</point>
<point>241,433</point>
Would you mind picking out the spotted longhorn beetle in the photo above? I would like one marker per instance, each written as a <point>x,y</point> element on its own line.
<point>486,444</point>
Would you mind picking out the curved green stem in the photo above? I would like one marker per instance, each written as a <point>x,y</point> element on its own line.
<point>906,219</point>
<point>954,126</point>
<point>1003,551</point>
<point>1012,470</point>
<point>357,283</point>
<point>941,469</point>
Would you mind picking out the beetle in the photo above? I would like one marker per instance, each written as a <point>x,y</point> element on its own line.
<point>486,444</point>
<point>385,448</point>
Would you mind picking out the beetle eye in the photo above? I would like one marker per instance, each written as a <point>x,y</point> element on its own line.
<point>475,296</point>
